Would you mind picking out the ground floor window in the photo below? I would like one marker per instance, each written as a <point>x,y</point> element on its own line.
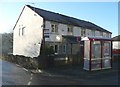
<point>64,48</point>
<point>56,48</point>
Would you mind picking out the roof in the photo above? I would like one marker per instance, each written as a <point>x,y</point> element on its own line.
<point>56,17</point>
<point>116,38</point>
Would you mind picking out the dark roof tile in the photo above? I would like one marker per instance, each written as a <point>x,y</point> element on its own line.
<point>116,38</point>
<point>51,16</point>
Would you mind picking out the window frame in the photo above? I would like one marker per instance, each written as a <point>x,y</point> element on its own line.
<point>69,29</point>
<point>93,32</point>
<point>101,33</point>
<point>83,32</point>
<point>54,27</point>
<point>64,48</point>
<point>21,30</point>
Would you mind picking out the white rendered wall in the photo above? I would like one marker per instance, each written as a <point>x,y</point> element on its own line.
<point>62,30</point>
<point>116,44</point>
<point>29,43</point>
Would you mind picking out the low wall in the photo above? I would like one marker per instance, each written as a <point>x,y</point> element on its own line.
<point>116,58</point>
<point>29,63</point>
<point>44,61</point>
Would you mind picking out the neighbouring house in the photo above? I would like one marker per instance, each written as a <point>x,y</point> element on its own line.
<point>116,45</point>
<point>63,33</point>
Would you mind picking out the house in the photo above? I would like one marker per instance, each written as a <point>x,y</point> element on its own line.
<point>116,45</point>
<point>61,32</point>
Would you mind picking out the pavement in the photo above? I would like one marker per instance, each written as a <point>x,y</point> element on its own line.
<point>99,77</point>
<point>78,71</point>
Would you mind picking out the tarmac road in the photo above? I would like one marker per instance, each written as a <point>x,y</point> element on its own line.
<point>13,74</point>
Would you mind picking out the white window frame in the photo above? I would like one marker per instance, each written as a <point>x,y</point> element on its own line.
<point>64,48</point>
<point>54,29</point>
<point>83,32</point>
<point>107,35</point>
<point>69,29</point>
<point>21,30</point>
<point>101,33</point>
<point>93,32</point>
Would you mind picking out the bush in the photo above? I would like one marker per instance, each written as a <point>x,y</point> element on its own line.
<point>49,50</point>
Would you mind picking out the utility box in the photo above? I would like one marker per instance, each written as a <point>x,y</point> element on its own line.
<point>97,53</point>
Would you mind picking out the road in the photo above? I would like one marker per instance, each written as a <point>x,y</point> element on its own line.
<point>13,74</point>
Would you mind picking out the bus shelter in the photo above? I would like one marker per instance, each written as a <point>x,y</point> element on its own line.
<point>97,53</point>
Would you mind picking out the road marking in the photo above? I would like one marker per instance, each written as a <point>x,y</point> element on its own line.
<point>17,65</point>
<point>25,69</point>
<point>49,74</point>
<point>39,71</point>
<point>29,82</point>
<point>31,78</point>
<point>31,74</point>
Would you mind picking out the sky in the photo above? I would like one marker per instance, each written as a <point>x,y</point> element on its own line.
<point>103,14</point>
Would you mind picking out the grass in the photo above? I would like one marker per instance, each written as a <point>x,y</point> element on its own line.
<point>3,58</point>
<point>0,57</point>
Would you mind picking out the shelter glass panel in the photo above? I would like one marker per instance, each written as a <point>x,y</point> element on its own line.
<point>96,49</point>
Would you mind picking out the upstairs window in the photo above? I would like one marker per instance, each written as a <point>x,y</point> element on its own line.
<point>54,28</point>
<point>93,32</point>
<point>107,35</point>
<point>83,32</point>
<point>101,33</point>
<point>70,29</point>
<point>21,30</point>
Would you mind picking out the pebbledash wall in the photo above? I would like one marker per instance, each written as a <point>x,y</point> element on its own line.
<point>27,34</point>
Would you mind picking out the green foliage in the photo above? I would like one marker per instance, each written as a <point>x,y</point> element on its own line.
<point>7,43</point>
<point>48,50</point>
<point>0,57</point>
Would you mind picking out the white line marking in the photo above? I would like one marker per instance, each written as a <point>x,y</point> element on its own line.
<point>25,69</point>
<point>50,75</point>
<point>17,65</point>
<point>39,71</point>
<point>31,78</point>
<point>31,74</point>
<point>29,82</point>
